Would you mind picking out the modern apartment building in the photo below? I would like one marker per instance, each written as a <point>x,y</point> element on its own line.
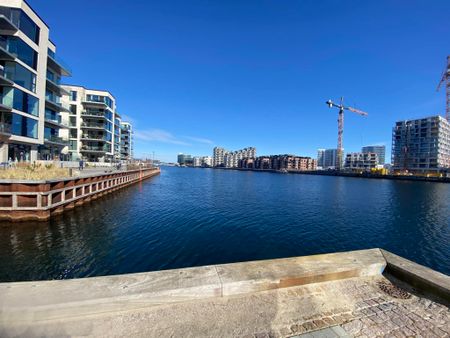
<point>361,161</point>
<point>30,90</point>
<point>219,157</point>
<point>421,145</point>
<point>279,162</point>
<point>377,149</point>
<point>185,160</point>
<point>126,141</point>
<point>329,158</point>
<point>94,132</point>
<point>230,159</point>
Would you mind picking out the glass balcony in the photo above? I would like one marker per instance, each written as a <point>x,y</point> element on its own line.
<point>53,102</point>
<point>94,137</point>
<point>93,125</point>
<point>58,64</point>
<point>95,149</point>
<point>55,120</point>
<point>95,114</point>
<point>9,19</point>
<point>55,140</point>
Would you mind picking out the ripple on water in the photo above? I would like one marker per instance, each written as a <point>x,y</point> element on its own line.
<point>188,217</point>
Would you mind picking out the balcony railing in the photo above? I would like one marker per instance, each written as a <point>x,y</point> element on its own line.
<point>93,125</point>
<point>58,63</point>
<point>95,149</point>
<point>94,137</point>
<point>55,139</point>
<point>93,113</point>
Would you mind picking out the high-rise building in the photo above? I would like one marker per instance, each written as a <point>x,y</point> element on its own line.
<point>30,90</point>
<point>421,145</point>
<point>321,158</point>
<point>362,161</point>
<point>94,124</point>
<point>377,149</point>
<point>330,159</point>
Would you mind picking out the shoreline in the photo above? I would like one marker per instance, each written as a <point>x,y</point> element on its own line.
<point>342,174</point>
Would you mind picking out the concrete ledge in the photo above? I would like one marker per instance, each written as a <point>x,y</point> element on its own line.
<point>418,276</point>
<point>54,300</point>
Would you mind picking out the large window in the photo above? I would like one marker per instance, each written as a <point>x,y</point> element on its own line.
<point>73,95</point>
<point>17,99</point>
<point>100,98</point>
<point>24,126</point>
<point>22,21</point>
<point>53,77</point>
<point>28,26</point>
<point>19,49</point>
<point>73,109</point>
<point>20,75</point>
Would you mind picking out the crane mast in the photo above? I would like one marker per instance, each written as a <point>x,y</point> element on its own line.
<point>340,141</point>
<point>445,80</point>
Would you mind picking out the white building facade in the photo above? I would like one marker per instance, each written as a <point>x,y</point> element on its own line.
<point>95,127</point>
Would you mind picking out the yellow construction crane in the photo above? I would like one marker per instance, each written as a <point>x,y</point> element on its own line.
<point>446,79</point>
<point>340,145</point>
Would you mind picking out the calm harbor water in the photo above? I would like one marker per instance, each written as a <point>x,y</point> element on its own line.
<point>189,217</point>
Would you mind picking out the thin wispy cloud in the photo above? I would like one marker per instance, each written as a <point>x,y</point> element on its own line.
<point>158,135</point>
<point>199,140</point>
<point>163,136</point>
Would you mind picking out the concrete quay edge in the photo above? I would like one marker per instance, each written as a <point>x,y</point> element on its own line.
<point>25,302</point>
<point>426,280</point>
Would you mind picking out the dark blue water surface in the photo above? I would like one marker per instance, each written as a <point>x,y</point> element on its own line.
<point>189,217</point>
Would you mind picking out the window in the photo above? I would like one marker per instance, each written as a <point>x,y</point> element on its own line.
<point>28,27</point>
<point>53,77</point>
<point>73,95</point>
<point>24,126</point>
<point>17,99</point>
<point>20,75</point>
<point>73,109</point>
<point>19,49</point>
<point>72,145</point>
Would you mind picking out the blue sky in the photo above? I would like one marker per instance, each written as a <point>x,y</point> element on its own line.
<point>194,74</point>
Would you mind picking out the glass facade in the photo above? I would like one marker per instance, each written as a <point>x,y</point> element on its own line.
<point>22,21</point>
<point>53,77</point>
<point>19,49</point>
<point>100,98</point>
<point>20,75</point>
<point>24,126</point>
<point>19,100</point>
<point>52,115</point>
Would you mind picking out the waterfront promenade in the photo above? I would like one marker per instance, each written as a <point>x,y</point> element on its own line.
<point>362,294</point>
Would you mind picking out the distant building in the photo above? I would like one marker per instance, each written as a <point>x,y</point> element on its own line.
<point>379,150</point>
<point>330,159</point>
<point>283,162</point>
<point>361,161</point>
<point>321,158</point>
<point>230,159</point>
<point>207,161</point>
<point>197,161</point>
<point>184,159</point>
<point>421,145</point>
<point>219,156</point>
